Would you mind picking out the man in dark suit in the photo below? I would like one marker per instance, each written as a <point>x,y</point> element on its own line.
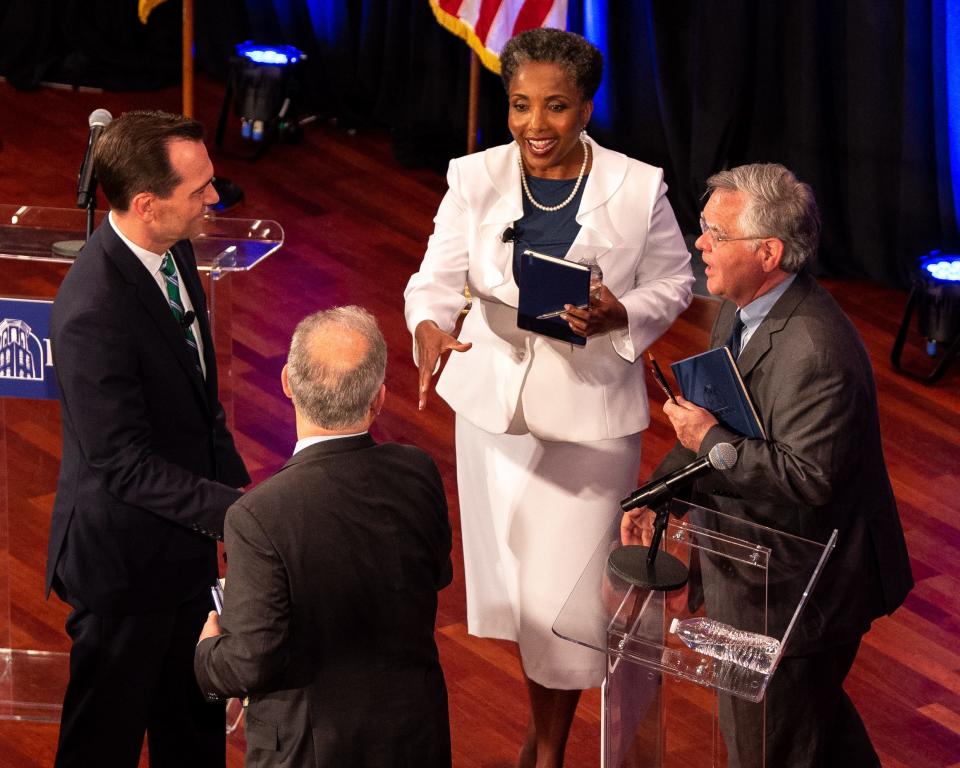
<point>335,564</point>
<point>821,466</point>
<point>149,467</point>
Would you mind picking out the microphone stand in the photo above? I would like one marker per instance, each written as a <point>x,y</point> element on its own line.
<point>91,207</point>
<point>647,567</point>
<point>70,249</point>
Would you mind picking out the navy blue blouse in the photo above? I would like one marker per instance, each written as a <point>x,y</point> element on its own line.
<point>549,232</point>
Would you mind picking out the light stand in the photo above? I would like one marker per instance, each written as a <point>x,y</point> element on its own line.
<point>230,194</point>
<point>935,295</point>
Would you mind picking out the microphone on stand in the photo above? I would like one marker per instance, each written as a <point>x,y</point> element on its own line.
<point>640,565</point>
<point>721,457</point>
<point>87,181</point>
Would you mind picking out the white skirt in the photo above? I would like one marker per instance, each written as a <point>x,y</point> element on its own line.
<point>532,512</point>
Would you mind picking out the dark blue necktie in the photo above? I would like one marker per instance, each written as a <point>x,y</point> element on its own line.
<point>734,342</point>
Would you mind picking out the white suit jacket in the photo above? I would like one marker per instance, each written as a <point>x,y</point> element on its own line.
<point>569,393</point>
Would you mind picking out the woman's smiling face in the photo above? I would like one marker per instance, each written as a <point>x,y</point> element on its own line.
<point>547,112</point>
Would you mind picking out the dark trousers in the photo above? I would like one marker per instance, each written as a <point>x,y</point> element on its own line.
<point>133,674</point>
<point>810,720</point>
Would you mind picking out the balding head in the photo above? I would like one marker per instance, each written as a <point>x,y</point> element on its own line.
<point>336,367</point>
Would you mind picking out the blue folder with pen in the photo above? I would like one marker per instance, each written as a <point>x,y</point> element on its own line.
<point>546,285</point>
<point>712,381</point>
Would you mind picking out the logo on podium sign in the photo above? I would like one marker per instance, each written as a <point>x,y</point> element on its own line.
<point>26,358</point>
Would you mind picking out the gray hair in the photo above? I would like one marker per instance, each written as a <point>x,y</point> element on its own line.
<point>330,394</point>
<point>779,206</point>
<point>581,60</point>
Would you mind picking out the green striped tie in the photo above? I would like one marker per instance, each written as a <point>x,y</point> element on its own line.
<point>169,270</point>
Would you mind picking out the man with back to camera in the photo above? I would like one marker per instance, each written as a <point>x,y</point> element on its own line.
<point>335,565</point>
<point>149,466</point>
<point>821,466</point>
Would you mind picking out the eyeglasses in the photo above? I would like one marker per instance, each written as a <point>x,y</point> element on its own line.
<point>719,237</point>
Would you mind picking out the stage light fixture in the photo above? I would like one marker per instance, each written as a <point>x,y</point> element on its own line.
<point>935,296</point>
<point>264,85</point>
<point>280,55</point>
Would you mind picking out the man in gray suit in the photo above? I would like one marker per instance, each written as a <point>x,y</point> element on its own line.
<point>334,568</point>
<point>821,466</point>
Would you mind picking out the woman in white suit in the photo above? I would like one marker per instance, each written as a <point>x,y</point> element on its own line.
<point>547,432</point>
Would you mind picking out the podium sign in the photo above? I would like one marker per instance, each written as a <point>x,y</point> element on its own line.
<point>26,360</point>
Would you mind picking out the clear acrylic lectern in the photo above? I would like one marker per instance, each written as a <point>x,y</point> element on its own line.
<point>665,705</point>
<point>33,644</point>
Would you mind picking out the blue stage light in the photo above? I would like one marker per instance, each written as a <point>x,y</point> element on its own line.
<point>942,267</point>
<point>270,55</point>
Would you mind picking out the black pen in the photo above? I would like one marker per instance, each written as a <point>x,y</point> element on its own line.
<point>661,380</point>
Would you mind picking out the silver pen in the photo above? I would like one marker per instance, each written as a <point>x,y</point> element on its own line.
<point>557,313</point>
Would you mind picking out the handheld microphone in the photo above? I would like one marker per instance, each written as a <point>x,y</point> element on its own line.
<point>189,316</point>
<point>86,182</point>
<point>721,457</point>
<point>508,235</point>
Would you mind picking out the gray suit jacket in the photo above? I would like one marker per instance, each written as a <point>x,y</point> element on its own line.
<point>821,468</point>
<point>329,610</point>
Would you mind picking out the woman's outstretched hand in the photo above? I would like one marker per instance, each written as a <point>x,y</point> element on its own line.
<point>431,343</point>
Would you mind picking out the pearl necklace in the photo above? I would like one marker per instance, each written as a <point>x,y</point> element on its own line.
<point>573,194</point>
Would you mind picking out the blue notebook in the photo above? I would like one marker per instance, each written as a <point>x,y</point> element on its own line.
<point>546,284</point>
<point>712,381</point>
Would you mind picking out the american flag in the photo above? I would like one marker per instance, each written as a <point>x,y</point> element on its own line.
<point>487,24</point>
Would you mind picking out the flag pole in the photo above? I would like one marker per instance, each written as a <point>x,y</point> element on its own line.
<point>473,103</point>
<point>188,58</point>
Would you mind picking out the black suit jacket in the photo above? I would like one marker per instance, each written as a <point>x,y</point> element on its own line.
<point>329,611</point>
<point>148,467</point>
<point>821,468</point>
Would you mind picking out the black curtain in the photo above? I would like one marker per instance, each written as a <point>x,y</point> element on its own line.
<point>843,93</point>
<point>829,90</point>
<point>97,43</point>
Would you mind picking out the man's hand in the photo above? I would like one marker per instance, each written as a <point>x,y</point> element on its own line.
<point>211,628</point>
<point>431,343</point>
<point>605,314</point>
<point>690,422</point>
<point>636,527</point>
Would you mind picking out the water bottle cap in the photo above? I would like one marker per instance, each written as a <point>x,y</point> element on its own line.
<point>673,626</point>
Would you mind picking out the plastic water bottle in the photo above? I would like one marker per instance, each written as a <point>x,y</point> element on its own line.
<point>721,641</point>
<point>596,277</point>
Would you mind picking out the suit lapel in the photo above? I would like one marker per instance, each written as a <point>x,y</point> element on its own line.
<point>504,173</point>
<point>776,319</point>
<point>596,230</point>
<point>155,306</point>
<point>190,281</point>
